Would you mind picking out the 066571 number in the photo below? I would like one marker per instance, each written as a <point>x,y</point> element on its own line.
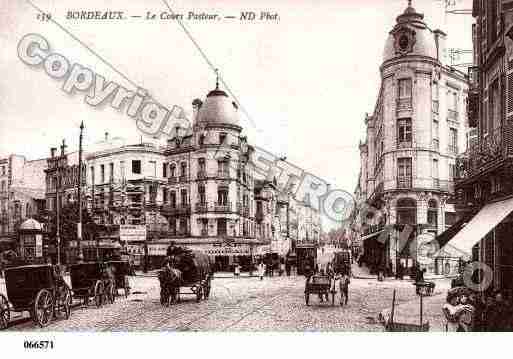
<point>38,344</point>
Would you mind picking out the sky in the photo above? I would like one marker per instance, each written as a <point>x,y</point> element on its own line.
<point>306,81</point>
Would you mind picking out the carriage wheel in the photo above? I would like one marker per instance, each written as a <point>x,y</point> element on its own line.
<point>99,293</point>
<point>43,308</point>
<point>110,292</point>
<point>127,288</point>
<point>199,293</point>
<point>5,314</point>
<point>65,305</point>
<point>307,298</point>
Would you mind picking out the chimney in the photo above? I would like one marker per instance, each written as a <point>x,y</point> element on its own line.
<point>440,38</point>
<point>106,136</point>
<point>52,151</point>
<point>196,105</point>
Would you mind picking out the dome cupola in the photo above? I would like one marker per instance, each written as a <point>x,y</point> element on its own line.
<point>410,36</point>
<point>218,109</point>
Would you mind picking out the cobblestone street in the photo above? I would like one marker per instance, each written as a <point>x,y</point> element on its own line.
<point>244,304</point>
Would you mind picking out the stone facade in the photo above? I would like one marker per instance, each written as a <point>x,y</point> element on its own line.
<point>418,126</point>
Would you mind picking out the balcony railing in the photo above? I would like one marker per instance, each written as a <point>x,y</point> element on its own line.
<point>176,210</point>
<point>223,207</point>
<point>403,144</point>
<point>202,175</point>
<point>183,178</point>
<point>223,174</point>
<point>201,207</point>
<point>404,104</point>
<point>481,154</point>
<point>452,149</point>
<point>404,182</point>
<point>173,179</point>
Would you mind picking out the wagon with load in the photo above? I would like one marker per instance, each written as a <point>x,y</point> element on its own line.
<point>186,272</point>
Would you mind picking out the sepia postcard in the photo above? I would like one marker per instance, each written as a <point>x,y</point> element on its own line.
<point>254,168</point>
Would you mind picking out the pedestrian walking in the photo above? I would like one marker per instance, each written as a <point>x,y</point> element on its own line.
<point>261,270</point>
<point>237,270</point>
<point>344,282</point>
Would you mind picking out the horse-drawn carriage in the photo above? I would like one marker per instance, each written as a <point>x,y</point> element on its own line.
<point>37,289</point>
<point>322,285</point>
<point>93,280</point>
<point>186,273</point>
<point>121,271</point>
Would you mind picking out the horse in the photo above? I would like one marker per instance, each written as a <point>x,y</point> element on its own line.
<point>170,279</point>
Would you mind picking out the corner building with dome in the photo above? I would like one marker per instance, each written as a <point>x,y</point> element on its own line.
<point>418,126</point>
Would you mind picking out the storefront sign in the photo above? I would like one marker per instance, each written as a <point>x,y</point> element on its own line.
<point>157,249</point>
<point>132,233</point>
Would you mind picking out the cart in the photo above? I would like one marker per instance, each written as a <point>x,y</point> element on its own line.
<point>93,280</point>
<point>321,285</point>
<point>37,289</point>
<point>195,276</point>
<point>121,270</point>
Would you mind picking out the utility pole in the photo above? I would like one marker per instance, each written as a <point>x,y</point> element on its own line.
<point>57,195</point>
<point>80,174</point>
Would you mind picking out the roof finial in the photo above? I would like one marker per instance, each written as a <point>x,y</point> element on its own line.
<point>217,79</point>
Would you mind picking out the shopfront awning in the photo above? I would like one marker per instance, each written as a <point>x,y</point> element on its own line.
<point>446,236</point>
<point>483,222</point>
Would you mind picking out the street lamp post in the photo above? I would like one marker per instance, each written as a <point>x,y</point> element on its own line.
<point>80,174</point>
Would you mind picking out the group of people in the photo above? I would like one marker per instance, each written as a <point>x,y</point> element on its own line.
<point>490,312</point>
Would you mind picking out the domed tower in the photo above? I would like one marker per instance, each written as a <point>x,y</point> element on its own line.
<point>413,136</point>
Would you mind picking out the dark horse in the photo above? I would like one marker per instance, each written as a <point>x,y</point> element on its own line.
<point>170,279</point>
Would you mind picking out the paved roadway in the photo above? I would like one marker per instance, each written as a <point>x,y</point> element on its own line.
<point>243,304</point>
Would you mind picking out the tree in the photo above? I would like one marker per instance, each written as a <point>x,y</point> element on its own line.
<point>68,224</point>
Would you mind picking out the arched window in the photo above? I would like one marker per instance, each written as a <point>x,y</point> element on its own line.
<point>432,213</point>
<point>172,170</point>
<point>406,211</point>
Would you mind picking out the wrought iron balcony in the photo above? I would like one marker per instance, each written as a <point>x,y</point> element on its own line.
<point>202,175</point>
<point>202,207</point>
<point>404,104</point>
<point>173,179</point>
<point>223,207</point>
<point>452,149</point>
<point>404,182</point>
<point>481,155</point>
<point>172,210</point>
<point>223,174</point>
<point>183,178</point>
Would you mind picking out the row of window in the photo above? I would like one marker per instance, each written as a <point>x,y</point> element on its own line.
<point>168,170</point>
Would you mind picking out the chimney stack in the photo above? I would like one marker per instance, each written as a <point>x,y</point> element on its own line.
<point>196,105</point>
<point>52,151</point>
